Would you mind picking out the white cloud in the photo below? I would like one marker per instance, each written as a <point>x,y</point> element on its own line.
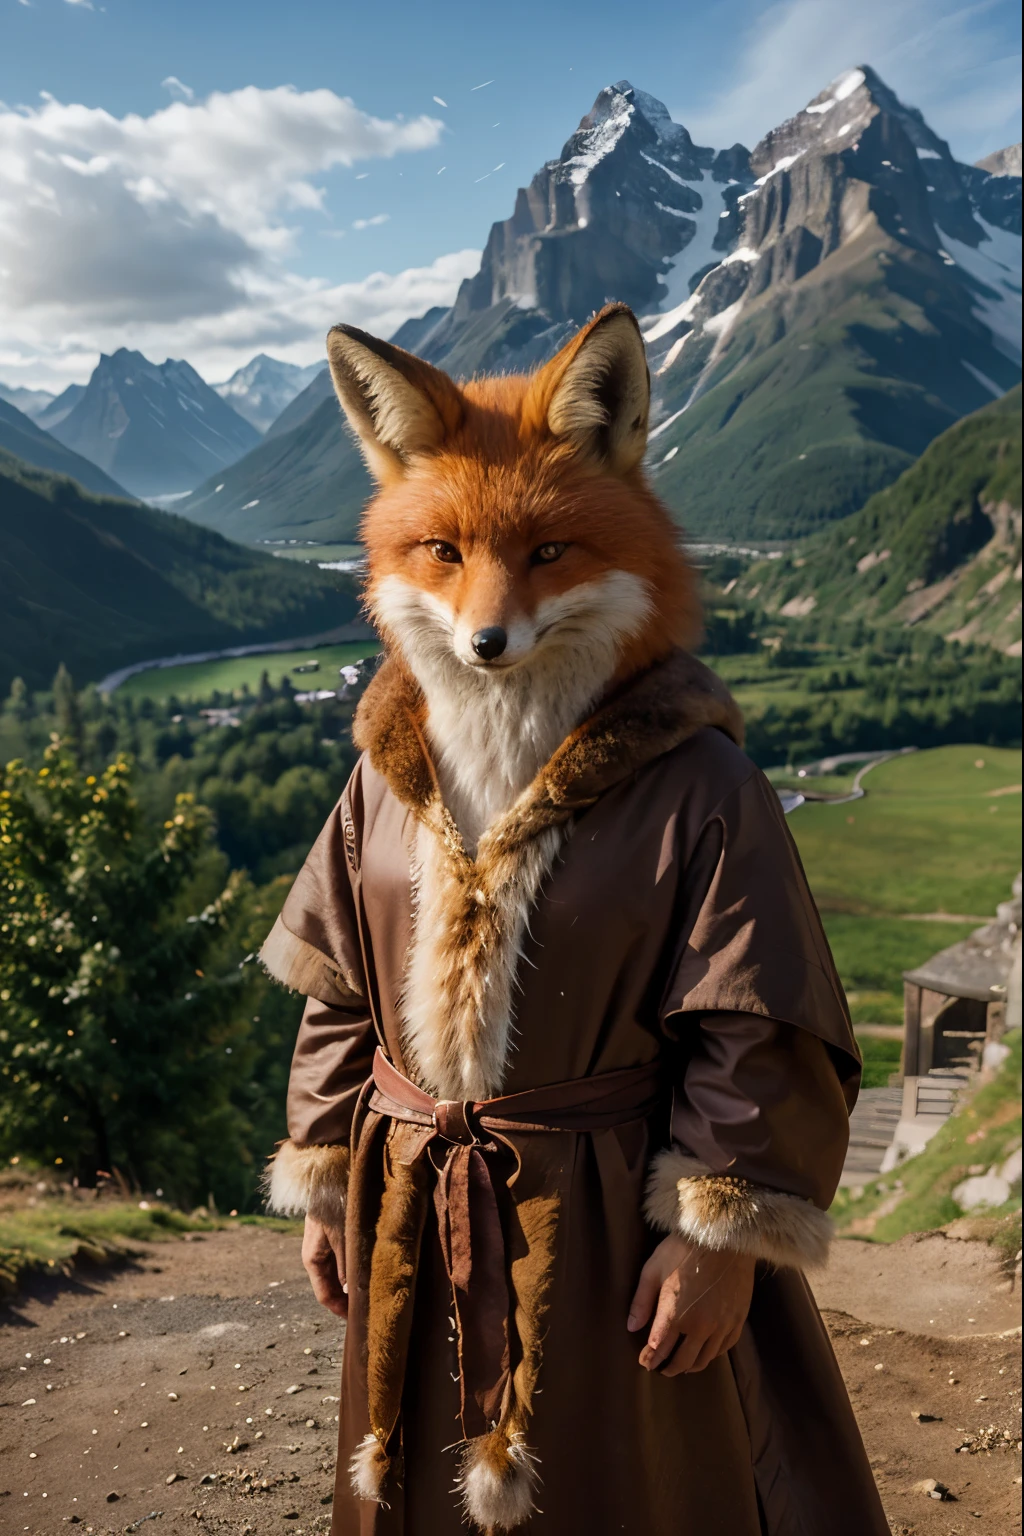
<point>947,58</point>
<point>178,89</point>
<point>171,232</point>
<point>377,218</point>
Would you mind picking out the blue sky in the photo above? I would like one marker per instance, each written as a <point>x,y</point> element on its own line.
<point>158,205</point>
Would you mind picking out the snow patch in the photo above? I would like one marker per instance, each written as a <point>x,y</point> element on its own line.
<point>671,454</point>
<point>928,154</point>
<point>669,321</point>
<point>672,175</point>
<point>848,83</point>
<point>664,426</point>
<point>822,106</point>
<point>995,265</point>
<point>782,165</point>
<point>742,253</point>
<point>251,504</point>
<point>600,142</point>
<point>670,357</point>
<point>676,212</point>
<point>698,252</point>
<point>983,379</point>
<point>721,324</point>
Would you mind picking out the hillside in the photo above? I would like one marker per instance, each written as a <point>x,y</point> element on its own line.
<point>816,310</point>
<point>940,548</point>
<point>306,483</point>
<point>20,436</point>
<point>160,429</point>
<point>99,583</point>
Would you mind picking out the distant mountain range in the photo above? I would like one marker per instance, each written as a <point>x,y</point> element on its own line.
<point>264,388</point>
<point>816,310</point>
<point>99,583</point>
<point>939,549</point>
<point>158,428</point>
<point>25,438</point>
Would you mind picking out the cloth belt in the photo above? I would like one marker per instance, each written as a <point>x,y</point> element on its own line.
<point>466,1142</point>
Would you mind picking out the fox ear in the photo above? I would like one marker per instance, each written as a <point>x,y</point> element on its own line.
<point>397,405</point>
<point>596,393</point>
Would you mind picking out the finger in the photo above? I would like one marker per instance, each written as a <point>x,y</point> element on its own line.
<point>641,1306</point>
<point>665,1327</point>
<point>709,1350</point>
<point>689,1348</point>
<point>323,1277</point>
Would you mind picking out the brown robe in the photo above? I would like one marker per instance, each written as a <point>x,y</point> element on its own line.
<point>649,906</point>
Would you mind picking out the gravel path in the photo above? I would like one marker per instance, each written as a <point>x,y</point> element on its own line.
<point>197,1389</point>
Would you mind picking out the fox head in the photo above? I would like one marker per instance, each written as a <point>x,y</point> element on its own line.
<point>512,528</point>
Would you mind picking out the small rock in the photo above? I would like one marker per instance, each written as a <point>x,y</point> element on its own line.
<point>986,1189</point>
<point>210,1477</point>
<point>291,1391</point>
<point>933,1490</point>
<point>925,1418</point>
<point>172,1397</point>
<point>112,1498</point>
<point>175,1477</point>
<point>311,1423</point>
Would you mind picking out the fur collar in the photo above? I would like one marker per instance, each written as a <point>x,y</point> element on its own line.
<point>471,914</point>
<point>647,716</point>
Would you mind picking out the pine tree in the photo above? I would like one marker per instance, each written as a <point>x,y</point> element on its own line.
<point>124,1021</point>
<point>67,710</point>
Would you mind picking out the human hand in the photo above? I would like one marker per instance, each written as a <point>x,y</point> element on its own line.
<point>702,1299</point>
<point>323,1258</point>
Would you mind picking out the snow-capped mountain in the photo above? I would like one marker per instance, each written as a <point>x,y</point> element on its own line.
<point>261,390</point>
<point>816,310</point>
<point>159,429</point>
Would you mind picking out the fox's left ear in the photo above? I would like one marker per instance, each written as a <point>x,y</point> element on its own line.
<point>397,405</point>
<point>596,393</point>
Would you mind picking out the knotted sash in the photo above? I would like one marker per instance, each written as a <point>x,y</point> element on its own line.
<point>468,1147</point>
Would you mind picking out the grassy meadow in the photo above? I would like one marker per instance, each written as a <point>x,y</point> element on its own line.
<point>231,674</point>
<point>933,839</point>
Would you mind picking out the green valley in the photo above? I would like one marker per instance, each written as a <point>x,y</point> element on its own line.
<point>102,583</point>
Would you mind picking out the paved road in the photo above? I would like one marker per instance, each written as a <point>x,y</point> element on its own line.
<point>339,636</point>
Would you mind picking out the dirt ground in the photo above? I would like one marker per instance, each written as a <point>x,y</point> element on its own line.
<point>197,1389</point>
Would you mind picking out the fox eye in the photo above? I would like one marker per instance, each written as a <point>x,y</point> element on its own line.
<point>445,552</point>
<point>546,554</point>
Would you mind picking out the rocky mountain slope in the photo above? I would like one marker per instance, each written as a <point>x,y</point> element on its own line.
<point>940,548</point>
<point>264,387</point>
<point>816,311</point>
<point>159,428</point>
<point>22,436</point>
<point>99,583</point>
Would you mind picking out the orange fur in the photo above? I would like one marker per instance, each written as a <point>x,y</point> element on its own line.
<point>499,485</point>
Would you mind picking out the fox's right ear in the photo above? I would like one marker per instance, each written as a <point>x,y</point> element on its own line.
<point>397,405</point>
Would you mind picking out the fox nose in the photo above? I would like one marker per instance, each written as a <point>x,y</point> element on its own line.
<point>489,643</point>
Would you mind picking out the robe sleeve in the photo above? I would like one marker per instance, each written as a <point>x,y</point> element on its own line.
<point>765,1064</point>
<point>314,948</point>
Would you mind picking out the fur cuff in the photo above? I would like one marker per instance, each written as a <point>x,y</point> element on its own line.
<point>721,1211</point>
<point>308,1181</point>
<point>302,968</point>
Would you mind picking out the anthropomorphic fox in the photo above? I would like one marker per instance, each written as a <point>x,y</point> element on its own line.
<point>575,1055</point>
<point>519,563</point>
